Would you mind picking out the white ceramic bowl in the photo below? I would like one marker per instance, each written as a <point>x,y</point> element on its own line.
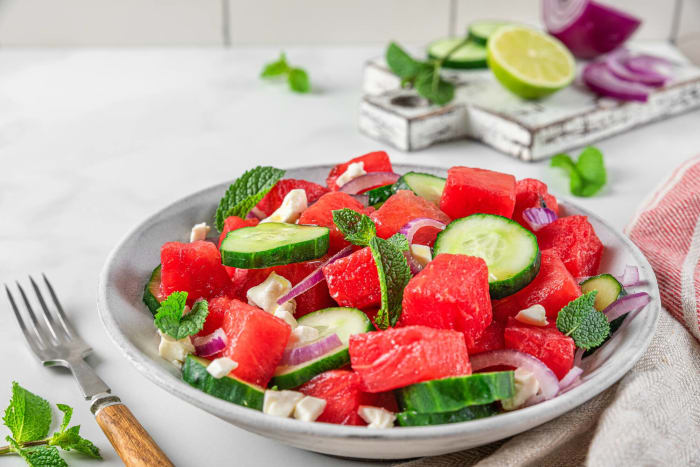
<point>130,326</point>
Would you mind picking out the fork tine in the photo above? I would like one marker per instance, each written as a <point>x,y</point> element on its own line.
<point>46,341</point>
<point>61,315</point>
<point>31,340</point>
<point>57,331</point>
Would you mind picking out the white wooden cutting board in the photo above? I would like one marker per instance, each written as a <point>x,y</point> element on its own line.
<point>529,130</point>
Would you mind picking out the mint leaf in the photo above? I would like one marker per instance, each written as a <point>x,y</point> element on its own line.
<point>70,440</point>
<point>357,228</point>
<point>401,63</point>
<point>246,192</point>
<point>587,175</point>
<point>276,68</point>
<point>430,85</point>
<point>28,416</point>
<point>40,456</point>
<point>298,80</point>
<point>394,275</point>
<point>399,241</point>
<point>67,414</point>
<point>193,322</point>
<point>171,321</point>
<point>579,319</point>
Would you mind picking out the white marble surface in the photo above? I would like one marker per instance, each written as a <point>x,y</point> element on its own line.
<point>92,141</point>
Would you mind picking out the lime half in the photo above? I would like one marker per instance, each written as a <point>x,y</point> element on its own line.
<point>529,63</point>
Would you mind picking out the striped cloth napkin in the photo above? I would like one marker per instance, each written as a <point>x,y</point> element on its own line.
<point>651,417</point>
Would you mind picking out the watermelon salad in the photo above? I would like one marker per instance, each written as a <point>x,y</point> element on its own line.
<point>386,299</point>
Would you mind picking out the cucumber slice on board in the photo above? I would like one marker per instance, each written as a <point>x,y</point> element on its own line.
<point>480,31</point>
<point>151,293</point>
<point>509,249</point>
<point>228,388</point>
<point>273,244</point>
<point>450,394</point>
<point>424,185</point>
<point>380,194</point>
<point>470,55</point>
<point>412,418</point>
<point>341,321</point>
<point>609,289</point>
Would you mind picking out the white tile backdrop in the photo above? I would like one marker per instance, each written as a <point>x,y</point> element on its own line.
<point>282,22</point>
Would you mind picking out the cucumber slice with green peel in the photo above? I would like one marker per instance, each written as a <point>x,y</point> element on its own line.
<point>343,322</point>
<point>509,249</point>
<point>379,195</point>
<point>426,186</point>
<point>273,244</point>
<point>470,55</point>
<point>228,388</point>
<point>151,293</point>
<point>450,394</point>
<point>480,31</point>
<point>412,418</point>
<point>609,289</point>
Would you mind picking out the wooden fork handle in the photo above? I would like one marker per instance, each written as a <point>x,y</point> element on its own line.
<point>131,441</point>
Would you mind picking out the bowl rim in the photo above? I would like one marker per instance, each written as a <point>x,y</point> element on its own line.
<point>601,379</point>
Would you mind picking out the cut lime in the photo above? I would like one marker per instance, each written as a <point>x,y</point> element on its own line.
<point>529,63</point>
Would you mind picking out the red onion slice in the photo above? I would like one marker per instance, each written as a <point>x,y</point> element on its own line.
<point>578,357</point>
<point>549,384</point>
<point>409,230</point>
<point>650,65</point>
<point>630,277</point>
<point>413,265</point>
<point>601,80</point>
<point>616,62</point>
<point>570,379</point>
<point>539,217</point>
<point>632,303</point>
<point>369,180</point>
<point>297,355</point>
<point>211,344</point>
<point>314,278</point>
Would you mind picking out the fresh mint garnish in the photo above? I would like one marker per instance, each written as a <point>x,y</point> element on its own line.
<point>399,241</point>
<point>357,228</point>
<point>246,192</point>
<point>171,320</point>
<point>297,78</point>
<point>28,416</point>
<point>69,438</point>
<point>579,319</point>
<point>40,456</point>
<point>587,175</point>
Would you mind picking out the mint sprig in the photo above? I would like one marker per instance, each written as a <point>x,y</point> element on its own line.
<point>297,78</point>
<point>357,228</point>
<point>171,320</point>
<point>587,175</point>
<point>246,192</point>
<point>579,319</point>
<point>28,416</point>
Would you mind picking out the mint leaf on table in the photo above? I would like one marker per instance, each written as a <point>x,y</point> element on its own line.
<point>276,68</point>
<point>69,438</point>
<point>171,321</point>
<point>39,456</point>
<point>399,241</point>
<point>579,319</point>
<point>246,192</point>
<point>297,78</point>
<point>587,175</point>
<point>401,63</point>
<point>357,228</point>
<point>394,275</point>
<point>28,416</point>
<point>430,85</point>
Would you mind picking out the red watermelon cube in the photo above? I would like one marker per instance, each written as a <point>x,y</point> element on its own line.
<point>547,343</point>
<point>470,191</point>
<point>532,193</point>
<point>321,213</point>
<point>218,308</point>
<point>273,199</point>
<point>575,242</point>
<point>490,339</point>
<point>194,268</point>
<point>553,288</point>
<point>451,292</point>
<point>256,340</point>
<point>342,391</point>
<point>397,357</point>
<point>377,161</point>
<point>403,207</point>
<point>354,281</point>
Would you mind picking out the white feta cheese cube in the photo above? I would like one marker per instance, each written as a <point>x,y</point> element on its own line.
<point>199,232</point>
<point>265,295</point>
<point>284,314</point>
<point>422,254</point>
<point>534,315</point>
<point>526,386</point>
<point>308,409</point>
<point>221,367</point>
<point>376,417</point>
<point>280,403</point>
<point>293,204</point>
<point>354,170</point>
<point>303,334</point>
<point>174,350</point>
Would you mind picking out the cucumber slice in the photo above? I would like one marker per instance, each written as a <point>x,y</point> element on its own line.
<point>609,289</point>
<point>450,394</point>
<point>424,185</point>
<point>412,418</point>
<point>151,292</point>
<point>342,321</point>
<point>380,194</point>
<point>510,250</point>
<point>470,55</point>
<point>480,31</point>
<point>228,388</point>
<point>273,244</point>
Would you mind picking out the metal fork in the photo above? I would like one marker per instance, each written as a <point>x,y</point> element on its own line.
<point>55,342</point>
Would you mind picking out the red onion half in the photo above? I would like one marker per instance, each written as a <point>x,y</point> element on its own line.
<point>601,80</point>
<point>539,217</point>
<point>297,355</point>
<point>409,230</point>
<point>369,180</point>
<point>211,344</point>
<point>632,303</point>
